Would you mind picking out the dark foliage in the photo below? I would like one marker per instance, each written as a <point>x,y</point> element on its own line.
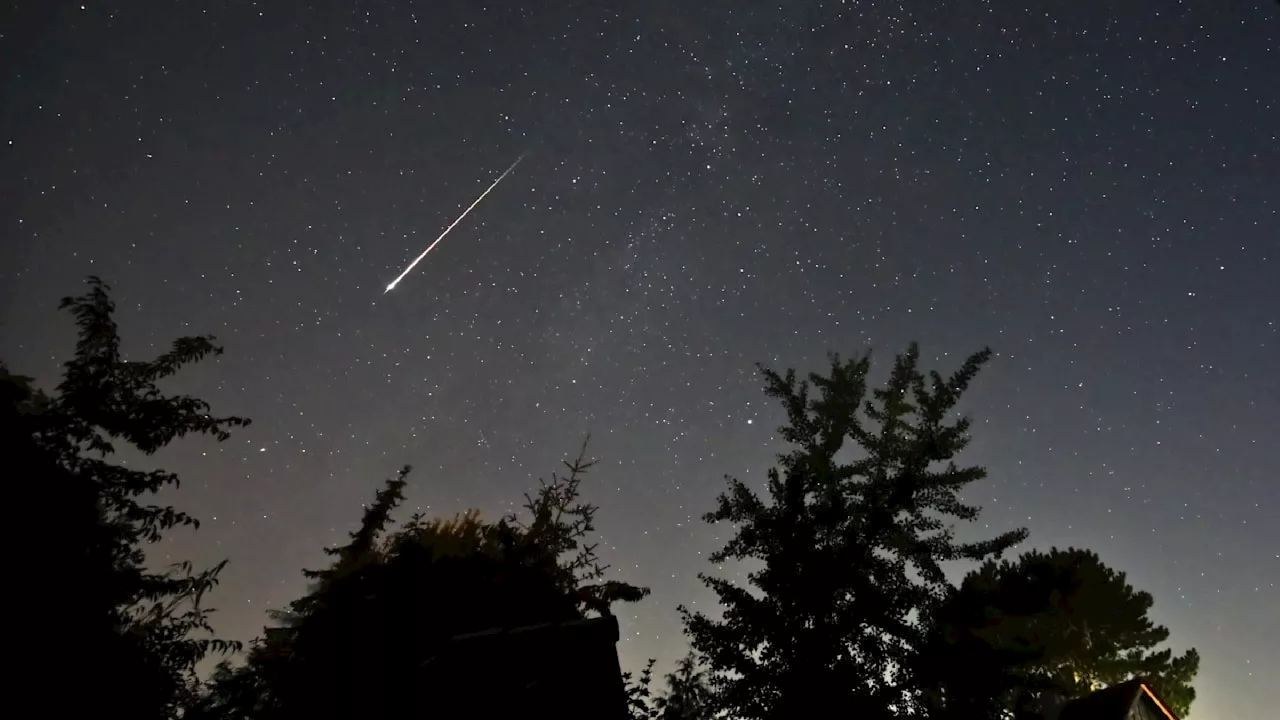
<point>847,611</point>
<point>850,540</point>
<point>136,633</point>
<point>687,695</point>
<point>370,638</point>
<point>641,702</point>
<point>1059,622</point>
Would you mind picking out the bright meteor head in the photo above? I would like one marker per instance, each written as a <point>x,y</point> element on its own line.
<point>390,287</point>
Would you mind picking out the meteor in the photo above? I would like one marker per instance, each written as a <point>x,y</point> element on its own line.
<point>412,265</point>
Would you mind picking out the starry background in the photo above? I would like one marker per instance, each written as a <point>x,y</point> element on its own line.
<point>1088,188</point>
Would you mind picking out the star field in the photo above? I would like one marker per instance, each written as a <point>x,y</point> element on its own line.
<point>1089,189</point>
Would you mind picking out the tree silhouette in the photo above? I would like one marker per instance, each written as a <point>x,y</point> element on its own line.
<point>641,702</point>
<point>687,697</point>
<point>849,542</point>
<point>1060,622</point>
<point>138,633</point>
<point>372,637</point>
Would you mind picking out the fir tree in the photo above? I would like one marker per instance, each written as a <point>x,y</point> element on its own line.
<point>1060,622</point>
<point>850,543</point>
<point>137,632</point>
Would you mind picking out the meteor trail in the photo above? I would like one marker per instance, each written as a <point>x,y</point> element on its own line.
<point>435,242</point>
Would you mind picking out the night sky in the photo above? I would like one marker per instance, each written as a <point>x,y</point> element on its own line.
<point>1089,188</point>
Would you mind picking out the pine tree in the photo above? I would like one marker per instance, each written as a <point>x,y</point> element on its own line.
<point>138,632</point>
<point>850,542</point>
<point>1061,622</point>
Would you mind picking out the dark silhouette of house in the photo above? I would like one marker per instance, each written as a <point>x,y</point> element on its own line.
<point>566,670</point>
<point>1132,700</point>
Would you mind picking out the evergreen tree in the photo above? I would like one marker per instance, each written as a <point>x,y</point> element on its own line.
<point>137,633</point>
<point>367,639</point>
<point>1061,622</point>
<point>849,543</point>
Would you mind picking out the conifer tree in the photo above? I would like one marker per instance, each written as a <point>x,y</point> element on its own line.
<point>849,543</point>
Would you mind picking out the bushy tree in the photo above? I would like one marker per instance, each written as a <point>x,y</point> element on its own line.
<point>137,633</point>
<point>366,640</point>
<point>849,541</point>
<point>1061,622</point>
